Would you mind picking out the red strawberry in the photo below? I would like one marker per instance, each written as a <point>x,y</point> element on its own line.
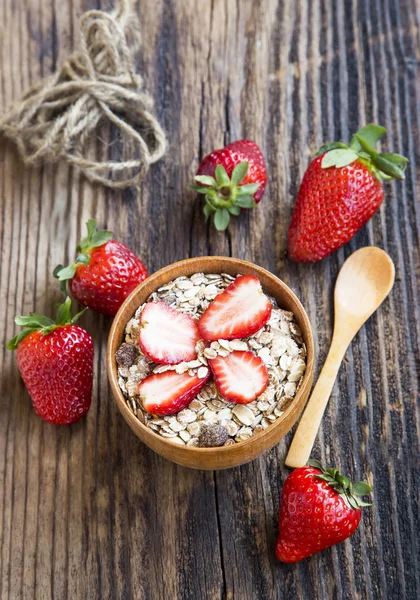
<point>166,335</point>
<point>318,508</point>
<point>239,311</point>
<point>55,359</point>
<point>240,377</point>
<point>340,191</point>
<point>169,392</point>
<point>104,273</point>
<point>232,178</point>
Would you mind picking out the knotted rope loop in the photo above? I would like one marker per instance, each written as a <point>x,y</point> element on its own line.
<point>59,118</point>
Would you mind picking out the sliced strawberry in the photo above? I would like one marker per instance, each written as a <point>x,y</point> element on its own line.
<point>240,377</point>
<point>167,336</point>
<point>168,393</point>
<point>239,311</point>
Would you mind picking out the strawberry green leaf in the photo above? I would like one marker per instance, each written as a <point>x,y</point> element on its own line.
<point>328,147</point>
<point>248,189</point>
<point>326,478</point>
<point>396,159</point>
<point>351,500</point>
<point>207,210</point>
<point>14,342</point>
<point>82,259</point>
<point>91,227</point>
<point>57,270</point>
<point>342,485</point>
<point>332,472</point>
<point>222,177</point>
<point>361,488</point>
<point>383,176</point>
<point>366,146</point>
<point>316,464</point>
<point>64,313</point>
<point>239,172</point>
<point>211,195</point>
<point>245,201</point>
<point>63,283</point>
<point>206,180</point>
<point>66,273</point>
<point>94,238</point>
<point>84,242</point>
<point>199,189</point>
<point>371,134</point>
<point>221,219</point>
<point>387,167</point>
<point>78,315</point>
<point>63,288</point>
<point>100,238</point>
<point>338,158</point>
<point>344,481</point>
<point>234,210</point>
<point>33,320</point>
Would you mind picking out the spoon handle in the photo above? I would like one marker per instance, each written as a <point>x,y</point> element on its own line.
<point>307,430</point>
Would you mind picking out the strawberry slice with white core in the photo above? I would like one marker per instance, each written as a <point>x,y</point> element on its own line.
<point>240,377</point>
<point>169,392</point>
<point>167,336</point>
<point>239,311</point>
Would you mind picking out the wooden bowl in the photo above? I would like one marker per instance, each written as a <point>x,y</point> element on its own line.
<point>226,456</point>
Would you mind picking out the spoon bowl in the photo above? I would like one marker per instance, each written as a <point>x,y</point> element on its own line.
<point>365,280</point>
<point>363,283</point>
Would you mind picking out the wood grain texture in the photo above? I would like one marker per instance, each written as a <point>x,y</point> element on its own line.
<point>88,511</point>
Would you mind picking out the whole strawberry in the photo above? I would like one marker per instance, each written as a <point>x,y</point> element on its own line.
<point>55,359</point>
<point>104,273</point>
<point>318,508</point>
<point>232,178</point>
<point>340,191</point>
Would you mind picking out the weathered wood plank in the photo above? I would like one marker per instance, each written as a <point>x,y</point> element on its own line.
<point>88,511</point>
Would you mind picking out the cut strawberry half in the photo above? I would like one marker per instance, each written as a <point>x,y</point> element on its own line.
<point>240,377</point>
<point>239,311</point>
<point>167,336</point>
<point>168,393</point>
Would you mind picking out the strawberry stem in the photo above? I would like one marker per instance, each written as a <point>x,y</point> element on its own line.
<point>94,239</point>
<point>225,196</point>
<point>362,147</point>
<point>343,485</point>
<point>35,322</point>
<point>225,191</point>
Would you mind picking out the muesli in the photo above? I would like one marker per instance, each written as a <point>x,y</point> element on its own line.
<point>210,420</point>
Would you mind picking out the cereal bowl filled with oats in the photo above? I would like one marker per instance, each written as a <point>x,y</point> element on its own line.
<point>211,361</point>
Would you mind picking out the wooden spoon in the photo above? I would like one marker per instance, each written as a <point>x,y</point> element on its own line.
<point>365,280</point>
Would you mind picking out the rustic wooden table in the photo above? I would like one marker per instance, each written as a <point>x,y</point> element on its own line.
<point>87,511</point>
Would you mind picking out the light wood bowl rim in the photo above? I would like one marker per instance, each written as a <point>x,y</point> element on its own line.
<point>124,314</point>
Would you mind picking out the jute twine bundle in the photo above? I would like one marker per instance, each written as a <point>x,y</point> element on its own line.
<point>59,117</point>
